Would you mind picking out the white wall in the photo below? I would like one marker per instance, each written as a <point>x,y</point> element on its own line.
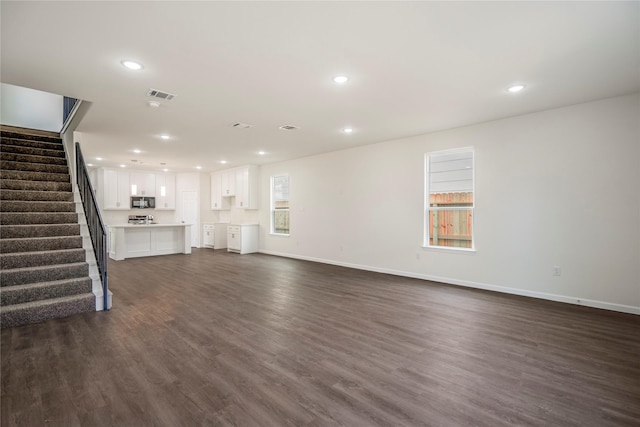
<point>558,187</point>
<point>29,108</point>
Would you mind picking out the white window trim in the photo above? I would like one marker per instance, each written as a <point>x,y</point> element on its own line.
<point>426,198</point>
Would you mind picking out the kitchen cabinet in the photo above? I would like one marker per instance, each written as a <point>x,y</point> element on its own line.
<point>113,189</point>
<point>208,236</point>
<point>143,184</point>
<point>228,182</point>
<point>242,238</point>
<point>215,235</point>
<point>165,192</point>
<point>247,187</point>
<point>217,201</point>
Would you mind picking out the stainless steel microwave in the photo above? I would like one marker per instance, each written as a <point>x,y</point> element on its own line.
<point>143,202</point>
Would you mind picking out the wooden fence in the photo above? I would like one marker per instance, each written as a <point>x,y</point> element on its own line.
<point>450,227</point>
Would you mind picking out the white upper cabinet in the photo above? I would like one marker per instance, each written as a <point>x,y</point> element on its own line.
<point>217,201</point>
<point>247,187</point>
<point>240,183</point>
<point>165,191</point>
<point>228,182</point>
<point>113,189</point>
<point>143,184</point>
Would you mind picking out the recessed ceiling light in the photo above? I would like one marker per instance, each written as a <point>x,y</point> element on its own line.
<point>137,151</point>
<point>340,79</point>
<point>165,170</point>
<point>165,136</point>
<point>224,162</point>
<point>516,88</point>
<point>123,166</point>
<point>262,153</point>
<point>132,65</point>
<point>98,158</point>
<point>89,164</point>
<point>198,167</point>
<point>347,130</point>
<point>153,104</point>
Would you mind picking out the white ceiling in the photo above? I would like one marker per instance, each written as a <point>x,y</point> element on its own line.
<point>414,67</point>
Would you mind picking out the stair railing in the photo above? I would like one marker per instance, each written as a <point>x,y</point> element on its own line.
<point>97,229</point>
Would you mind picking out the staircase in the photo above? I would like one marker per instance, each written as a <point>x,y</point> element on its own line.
<point>43,269</point>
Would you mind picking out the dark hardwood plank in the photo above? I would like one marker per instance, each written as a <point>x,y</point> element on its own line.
<point>214,338</point>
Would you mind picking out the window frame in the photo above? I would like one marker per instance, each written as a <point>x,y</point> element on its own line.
<point>273,209</point>
<point>428,208</point>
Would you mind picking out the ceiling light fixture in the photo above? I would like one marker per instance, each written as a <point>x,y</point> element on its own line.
<point>347,130</point>
<point>165,170</point>
<point>262,153</point>
<point>89,164</point>
<point>153,104</point>
<point>137,151</point>
<point>165,137</point>
<point>98,158</point>
<point>123,166</point>
<point>198,167</point>
<point>131,65</point>
<point>516,88</point>
<point>224,162</point>
<point>340,79</point>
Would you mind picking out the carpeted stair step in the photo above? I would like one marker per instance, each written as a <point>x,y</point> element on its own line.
<point>29,158</point>
<point>39,311</point>
<point>17,218</point>
<point>32,144</point>
<point>40,258</point>
<point>21,276</point>
<point>26,134</point>
<point>24,150</point>
<point>36,206</point>
<point>35,244</point>
<point>22,185</point>
<point>38,230</point>
<point>35,176</point>
<point>53,196</point>
<point>20,294</point>
<point>33,167</point>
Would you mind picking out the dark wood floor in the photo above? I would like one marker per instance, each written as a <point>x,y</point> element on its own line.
<point>254,340</point>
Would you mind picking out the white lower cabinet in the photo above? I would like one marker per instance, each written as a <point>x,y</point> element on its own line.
<point>242,238</point>
<point>214,235</point>
<point>208,236</point>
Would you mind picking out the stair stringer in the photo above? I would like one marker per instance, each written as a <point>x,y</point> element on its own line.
<point>87,245</point>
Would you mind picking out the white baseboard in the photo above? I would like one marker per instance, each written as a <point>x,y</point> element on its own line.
<point>515,291</point>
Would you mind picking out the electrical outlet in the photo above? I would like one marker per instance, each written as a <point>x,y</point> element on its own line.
<point>556,270</point>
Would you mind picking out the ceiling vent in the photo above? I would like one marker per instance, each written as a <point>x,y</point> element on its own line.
<point>289,127</point>
<point>155,93</point>
<point>242,125</point>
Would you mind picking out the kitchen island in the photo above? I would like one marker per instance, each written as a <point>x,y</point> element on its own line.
<point>138,240</point>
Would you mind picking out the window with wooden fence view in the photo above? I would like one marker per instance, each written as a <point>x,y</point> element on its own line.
<point>280,204</point>
<point>450,199</point>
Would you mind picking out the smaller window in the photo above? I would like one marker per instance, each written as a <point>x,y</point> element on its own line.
<point>449,199</point>
<point>280,204</point>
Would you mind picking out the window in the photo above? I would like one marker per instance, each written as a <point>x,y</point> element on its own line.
<point>280,204</point>
<point>449,199</point>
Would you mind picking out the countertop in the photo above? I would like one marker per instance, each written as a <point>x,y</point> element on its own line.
<point>147,225</point>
